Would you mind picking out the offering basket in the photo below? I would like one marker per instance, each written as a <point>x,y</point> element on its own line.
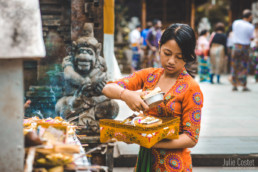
<point>143,136</point>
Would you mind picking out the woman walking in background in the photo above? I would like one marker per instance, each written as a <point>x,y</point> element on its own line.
<point>202,54</point>
<point>218,51</point>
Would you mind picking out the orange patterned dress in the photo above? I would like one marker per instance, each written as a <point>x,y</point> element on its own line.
<point>184,100</point>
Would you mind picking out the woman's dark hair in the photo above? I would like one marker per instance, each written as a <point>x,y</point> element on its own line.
<point>203,32</point>
<point>184,36</point>
<point>220,27</point>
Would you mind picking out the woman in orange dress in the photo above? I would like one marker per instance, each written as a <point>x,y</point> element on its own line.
<point>183,97</point>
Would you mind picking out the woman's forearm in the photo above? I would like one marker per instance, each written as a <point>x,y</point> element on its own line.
<point>182,142</point>
<point>112,91</point>
<point>131,98</point>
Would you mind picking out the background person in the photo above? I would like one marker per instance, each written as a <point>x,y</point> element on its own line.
<point>242,34</point>
<point>152,41</point>
<point>136,40</point>
<point>146,57</point>
<point>145,32</point>
<point>176,50</point>
<point>218,51</point>
<point>202,55</point>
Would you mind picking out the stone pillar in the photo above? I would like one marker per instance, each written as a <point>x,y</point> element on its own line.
<point>11,109</point>
<point>21,38</point>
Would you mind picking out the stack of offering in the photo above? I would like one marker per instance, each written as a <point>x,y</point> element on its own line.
<point>49,138</point>
<point>142,120</point>
<point>31,124</point>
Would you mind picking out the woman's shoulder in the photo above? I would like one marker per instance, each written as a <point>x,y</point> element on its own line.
<point>187,88</point>
<point>193,84</point>
<point>145,73</point>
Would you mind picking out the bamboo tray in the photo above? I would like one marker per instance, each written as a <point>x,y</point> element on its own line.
<point>143,136</point>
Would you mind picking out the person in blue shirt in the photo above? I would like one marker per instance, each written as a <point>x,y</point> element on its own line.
<point>144,33</point>
<point>152,41</point>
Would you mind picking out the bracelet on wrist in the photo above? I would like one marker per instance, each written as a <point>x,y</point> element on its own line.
<point>120,96</point>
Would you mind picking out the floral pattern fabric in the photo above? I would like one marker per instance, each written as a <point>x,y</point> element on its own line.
<point>240,64</point>
<point>183,100</point>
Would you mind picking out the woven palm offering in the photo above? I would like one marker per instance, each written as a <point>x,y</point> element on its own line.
<point>145,131</point>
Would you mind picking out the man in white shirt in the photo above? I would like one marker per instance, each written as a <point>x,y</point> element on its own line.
<point>242,35</point>
<point>136,40</point>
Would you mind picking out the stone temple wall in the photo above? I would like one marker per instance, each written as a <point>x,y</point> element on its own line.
<point>62,22</point>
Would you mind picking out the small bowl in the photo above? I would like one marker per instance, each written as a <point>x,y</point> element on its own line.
<point>155,99</point>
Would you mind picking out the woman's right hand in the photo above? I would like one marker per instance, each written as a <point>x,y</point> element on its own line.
<point>134,101</point>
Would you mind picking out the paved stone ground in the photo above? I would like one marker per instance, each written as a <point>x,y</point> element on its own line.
<point>229,121</point>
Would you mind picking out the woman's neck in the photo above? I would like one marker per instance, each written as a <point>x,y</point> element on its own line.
<point>171,76</point>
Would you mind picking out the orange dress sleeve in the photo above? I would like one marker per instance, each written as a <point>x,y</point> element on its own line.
<point>135,81</point>
<point>191,112</point>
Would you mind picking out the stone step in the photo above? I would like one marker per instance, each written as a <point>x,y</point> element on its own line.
<point>43,94</point>
<point>45,88</point>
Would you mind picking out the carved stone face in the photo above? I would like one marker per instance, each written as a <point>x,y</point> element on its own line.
<point>85,59</point>
<point>86,50</point>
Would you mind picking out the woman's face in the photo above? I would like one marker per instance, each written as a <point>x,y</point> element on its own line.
<point>171,58</point>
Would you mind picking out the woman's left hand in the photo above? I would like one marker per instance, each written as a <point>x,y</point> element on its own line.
<point>157,145</point>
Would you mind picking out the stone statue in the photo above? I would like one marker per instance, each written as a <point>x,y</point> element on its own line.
<point>85,76</point>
